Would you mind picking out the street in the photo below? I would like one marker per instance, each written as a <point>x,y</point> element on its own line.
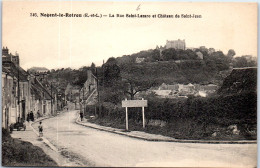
<point>92,147</point>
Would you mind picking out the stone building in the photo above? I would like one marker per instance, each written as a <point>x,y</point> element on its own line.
<point>176,44</point>
<point>9,101</point>
<point>6,56</point>
<point>22,84</point>
<point>139,60</point>
<point>89,89</point>
<point>91,82</point>
<point>21,92</point>
<point>200,55</point>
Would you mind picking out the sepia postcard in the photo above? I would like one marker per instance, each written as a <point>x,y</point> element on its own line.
<point>129,84</point>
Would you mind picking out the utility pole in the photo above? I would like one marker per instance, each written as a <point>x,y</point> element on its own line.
<point>79,102</point>
<point>51,100</point>
<point>98,90</point>
<point>83,100</point>
<point>19,95</point>
<point>103,74</point>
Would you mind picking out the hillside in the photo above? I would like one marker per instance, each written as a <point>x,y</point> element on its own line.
<point>239,81</point>
<point>169,72</point>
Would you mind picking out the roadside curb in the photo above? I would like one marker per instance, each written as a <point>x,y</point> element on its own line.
<point>46,141</point>
<point>167,140</point>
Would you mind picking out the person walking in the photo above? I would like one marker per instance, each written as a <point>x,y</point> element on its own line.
<point>28,117</point>
<point>40,129</point>
<point>81,116</point>
<point>31,116</point>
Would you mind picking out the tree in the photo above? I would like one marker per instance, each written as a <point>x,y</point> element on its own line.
<point>240,62</point>
<point>221,61</point>
<point>191,54</point>
<point>169,54</point>
<point>231,53</point>
<point>156,55</point>
<point>132,85</point>
<point>111,72</point>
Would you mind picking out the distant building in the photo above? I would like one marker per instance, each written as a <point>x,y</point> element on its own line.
<point>203,48</point>
<point>200,55</point>
<point>162,93</point>
<point>176,44</point>
<point>189,89</point>
<point>180,90</point>
<point>201,94</point>
<point>211,88</point>
<point>91,82</point>
<point>169,87</point>
<point>139,60</point>
<point>71,92</point>
<point>88,92</point>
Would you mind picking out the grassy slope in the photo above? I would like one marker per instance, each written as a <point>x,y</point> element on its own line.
<point>19,153</point>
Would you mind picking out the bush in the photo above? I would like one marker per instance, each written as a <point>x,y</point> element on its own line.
<point>19,153</point>
<point>222,110</point>
<point>192,118</point>
<point>5,132</point>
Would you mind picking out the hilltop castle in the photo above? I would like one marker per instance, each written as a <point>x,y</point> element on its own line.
<point>176,44</point>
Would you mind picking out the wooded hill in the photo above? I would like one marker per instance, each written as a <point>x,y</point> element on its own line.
<point>171,66</point>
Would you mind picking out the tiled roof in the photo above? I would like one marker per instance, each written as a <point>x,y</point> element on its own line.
<point>16,71</point>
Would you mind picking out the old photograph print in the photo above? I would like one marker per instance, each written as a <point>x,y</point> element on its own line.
<point>129,84</point>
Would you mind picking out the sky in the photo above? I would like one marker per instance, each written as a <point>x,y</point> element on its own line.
<point>61,42</point>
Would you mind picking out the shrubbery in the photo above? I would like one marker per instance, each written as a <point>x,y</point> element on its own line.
<point>192,117</point>
<point>222,110</point>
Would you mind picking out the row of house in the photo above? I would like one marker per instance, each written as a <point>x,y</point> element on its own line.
<point>23,93</point>
<point>180,90</point>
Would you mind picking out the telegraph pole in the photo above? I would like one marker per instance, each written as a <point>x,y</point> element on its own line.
<point>83,101</point>
<point>19,95</point>
<point>79,101</point>
<point>51,100</point>
<point>97,89</point>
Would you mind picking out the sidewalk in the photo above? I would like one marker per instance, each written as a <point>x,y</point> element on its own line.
<point>31,135</point>
<point>156,137</point>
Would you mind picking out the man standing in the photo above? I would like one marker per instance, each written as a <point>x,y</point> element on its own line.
<point>28,117</point>
<point>31,116</point>
<point>38,114</point>
<point>81,116</point>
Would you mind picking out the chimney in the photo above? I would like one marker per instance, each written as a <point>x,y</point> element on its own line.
<point>5,51</point>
